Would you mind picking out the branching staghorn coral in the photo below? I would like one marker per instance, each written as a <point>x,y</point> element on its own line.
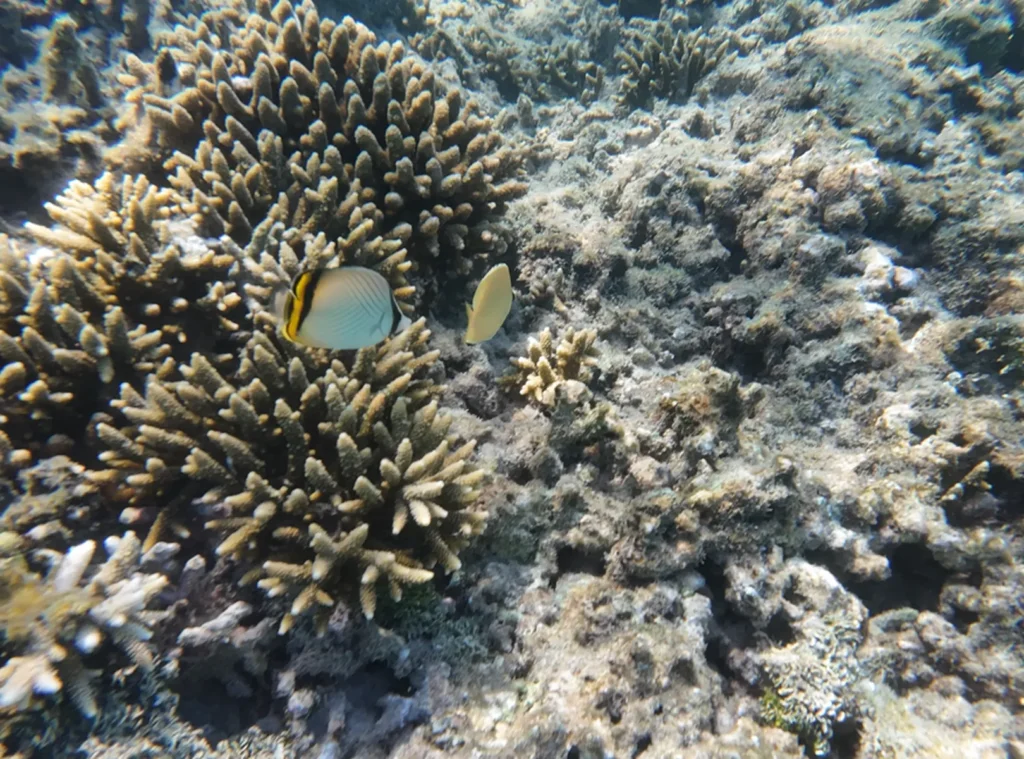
<point>312,124</point>
<point>124,332</point>
<point>321,483</point>
<point>547,369</point>
<point>49,622</point>
<point>570,72</point>
<point>114,295</point>
<point>664,59</point>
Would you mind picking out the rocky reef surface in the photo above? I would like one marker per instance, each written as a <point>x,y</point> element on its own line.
<point>742,475</point>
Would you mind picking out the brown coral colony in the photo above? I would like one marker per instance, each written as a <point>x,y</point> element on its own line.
<point>312,123</point>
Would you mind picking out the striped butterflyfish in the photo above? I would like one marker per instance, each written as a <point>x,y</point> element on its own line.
<point>491,303</point>
<point>342,308</point>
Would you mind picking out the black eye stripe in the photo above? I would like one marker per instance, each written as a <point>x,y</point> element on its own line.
<point>310,293</point>
<point>396,316</point>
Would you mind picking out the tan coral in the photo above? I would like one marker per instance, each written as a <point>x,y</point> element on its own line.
<point>56,118</point>
<point>307,474</point>
<point>108,299</point>
<point>306,126</point>
<point>548,370</point>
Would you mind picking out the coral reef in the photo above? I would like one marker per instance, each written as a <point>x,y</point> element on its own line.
<point>545,53</point>
<point>57,119</point>
<point>310,126</point>
<point>108,302</point>
<point>703,410</point>
<point>776,515</point>
<point>357,478</point>
<point>804,699</point>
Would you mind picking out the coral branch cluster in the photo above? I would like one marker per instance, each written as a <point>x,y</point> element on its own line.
<point>313,125</point>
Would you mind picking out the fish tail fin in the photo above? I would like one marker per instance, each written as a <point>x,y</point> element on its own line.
<point>277,302</point>
<point>403,324</point>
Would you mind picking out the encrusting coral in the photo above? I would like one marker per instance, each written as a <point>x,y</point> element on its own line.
<point>50,622</point>
<point>547,370</point>
<point>313,125</point>
<point>307,475</point>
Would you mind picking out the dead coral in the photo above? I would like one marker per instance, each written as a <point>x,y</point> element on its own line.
<point>703,409</point>
<point>542,72</point>
<point>323,483</point>
<point>56,117</point>
<point>69,75</point>
<point>50,498</point>
<point>570,72</point>
<point>664,59</point>
<point>312,124</point>
<point>546,370</point>
<point>812,679</point>
<point>50,622</point>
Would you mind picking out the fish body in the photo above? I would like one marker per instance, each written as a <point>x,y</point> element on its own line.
<point>492,302</point>
<point>342,308</point>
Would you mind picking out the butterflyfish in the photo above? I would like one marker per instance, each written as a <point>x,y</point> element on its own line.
<point>343,308</point>
<point>491,303</point>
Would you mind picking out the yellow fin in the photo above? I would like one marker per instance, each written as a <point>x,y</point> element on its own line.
<point>492,302</point>
<point>294,304</point>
